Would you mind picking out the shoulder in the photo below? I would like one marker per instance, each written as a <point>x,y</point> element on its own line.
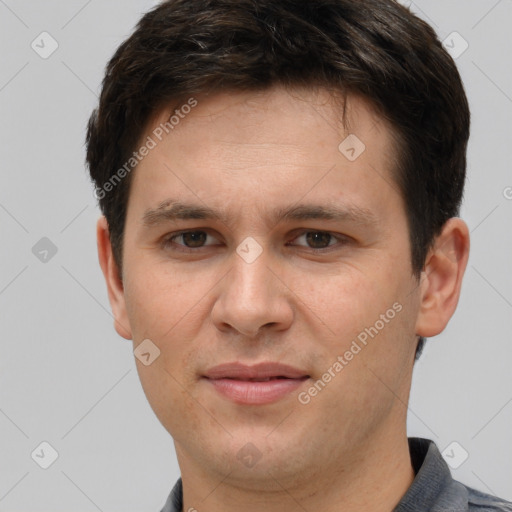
<point>481,502</point>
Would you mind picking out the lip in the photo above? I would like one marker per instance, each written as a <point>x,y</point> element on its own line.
<point>258,384</point>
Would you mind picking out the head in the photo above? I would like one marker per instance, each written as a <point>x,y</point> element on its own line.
<point>261,113</point>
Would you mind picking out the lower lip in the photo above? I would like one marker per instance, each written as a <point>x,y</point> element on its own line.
<point>256,393</point>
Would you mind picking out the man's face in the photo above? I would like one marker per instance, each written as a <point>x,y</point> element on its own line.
<point>253,288</point>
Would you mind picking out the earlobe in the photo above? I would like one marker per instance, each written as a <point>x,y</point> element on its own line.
<point>441,280</point>
<point>112,279</point>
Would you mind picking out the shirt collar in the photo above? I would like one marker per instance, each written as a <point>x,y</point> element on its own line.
<point>433,488</point>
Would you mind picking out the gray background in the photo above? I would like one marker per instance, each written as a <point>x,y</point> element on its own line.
<point>67,378</point>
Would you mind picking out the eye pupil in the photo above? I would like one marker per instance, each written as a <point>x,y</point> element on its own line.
<point>318,236</point>
<point>197,238</point>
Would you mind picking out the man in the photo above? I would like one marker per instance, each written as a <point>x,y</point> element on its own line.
<point>280,183</point>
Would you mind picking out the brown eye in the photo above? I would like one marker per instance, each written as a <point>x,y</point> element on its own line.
<point>185,240</point>
<point>318,239</point>
<point>194,238</point>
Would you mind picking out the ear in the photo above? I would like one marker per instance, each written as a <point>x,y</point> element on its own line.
<point>112,279</point>
<point>441,279</point>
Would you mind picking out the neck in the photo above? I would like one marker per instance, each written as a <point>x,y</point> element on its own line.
<point>376,478</point>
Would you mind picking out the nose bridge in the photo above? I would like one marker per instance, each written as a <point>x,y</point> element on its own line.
<point>250,273</point>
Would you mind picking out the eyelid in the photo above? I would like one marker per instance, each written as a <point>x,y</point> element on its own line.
<point>338,237</point>
<point>169,238</point>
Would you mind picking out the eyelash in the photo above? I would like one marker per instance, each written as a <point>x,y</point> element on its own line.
<point>168,240</point>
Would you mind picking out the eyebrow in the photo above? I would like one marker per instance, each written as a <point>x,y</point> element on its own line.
<point>172,210</point>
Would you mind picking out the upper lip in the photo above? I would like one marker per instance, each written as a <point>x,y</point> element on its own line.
<point>263,370</point>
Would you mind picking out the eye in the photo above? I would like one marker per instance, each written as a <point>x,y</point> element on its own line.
<point>319,240</point>
<point>191,239</point>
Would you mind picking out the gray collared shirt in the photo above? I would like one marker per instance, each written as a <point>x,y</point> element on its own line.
<point>433,489</point>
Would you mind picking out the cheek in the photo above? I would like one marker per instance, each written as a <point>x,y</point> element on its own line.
<point>370,385</point>
<point>167,308</point>
<point>157,300</point>
<point>345,302</point>
<point>159,310</point>
<point>172,404</point>
<point>371,320</point>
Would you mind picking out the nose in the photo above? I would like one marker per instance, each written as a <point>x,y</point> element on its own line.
<point>253,296</point>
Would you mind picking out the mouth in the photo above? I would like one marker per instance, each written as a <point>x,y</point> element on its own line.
<point>260,379</point>
<point>259,384</point>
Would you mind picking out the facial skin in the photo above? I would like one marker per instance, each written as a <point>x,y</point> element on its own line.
<point>247,155</point>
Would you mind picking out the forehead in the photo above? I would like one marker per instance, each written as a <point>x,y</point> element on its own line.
<point>268,110</point>
<point>266,147</point>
